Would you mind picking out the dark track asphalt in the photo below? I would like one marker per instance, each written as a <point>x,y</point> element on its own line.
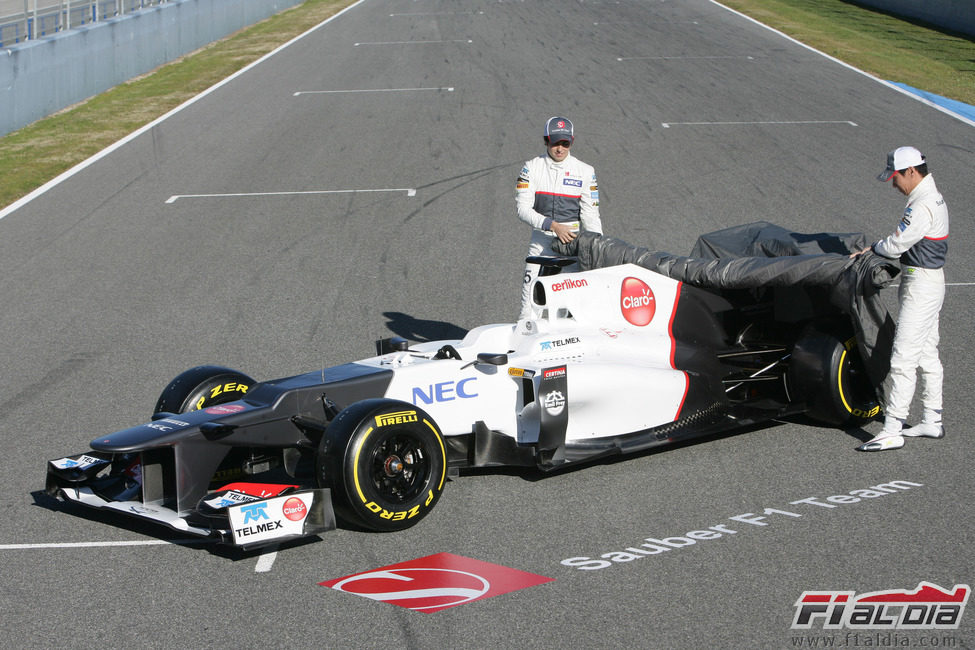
<point>694,117</point>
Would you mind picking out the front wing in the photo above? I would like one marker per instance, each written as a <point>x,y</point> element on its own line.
<point>245,515</point>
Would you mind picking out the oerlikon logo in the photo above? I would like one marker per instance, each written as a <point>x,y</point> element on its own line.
<point>430,584</point>
<point>637,302</point>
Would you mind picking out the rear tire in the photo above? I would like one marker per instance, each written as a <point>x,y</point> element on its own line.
<point>827,372</point>
<point>385,462</point>
<point>201,387</point>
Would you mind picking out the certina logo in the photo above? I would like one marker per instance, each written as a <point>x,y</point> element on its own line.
<point>569,284</point>
<point>637,302</point>
<point>554,402</point>
<point>927,607</point>
<point>553,373</point>
<point>399,417</point>
<point>294,509</point>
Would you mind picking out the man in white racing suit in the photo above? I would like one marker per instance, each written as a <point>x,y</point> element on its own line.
<point>557,195</point>
<point>920,242</point>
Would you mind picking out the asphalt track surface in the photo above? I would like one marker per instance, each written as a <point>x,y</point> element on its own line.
<point>359,183</point>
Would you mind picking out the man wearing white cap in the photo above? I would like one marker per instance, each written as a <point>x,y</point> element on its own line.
<point>557,195</point>
<point>920,242</point>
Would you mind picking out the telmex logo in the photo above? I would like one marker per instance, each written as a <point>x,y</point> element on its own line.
<point>440,581</point>
<point>926,607</point>
<point>399,417</point>
<point>637,302</point>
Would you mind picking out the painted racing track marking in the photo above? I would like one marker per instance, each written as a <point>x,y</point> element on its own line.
<point>456,40</point>
<point>667,125</point>
<point>151,542</point>
<point>264,562</point>
<point>176,197</point>
<point>449,89</point>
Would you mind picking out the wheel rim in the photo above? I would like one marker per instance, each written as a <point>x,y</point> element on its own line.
<point>400,467</point>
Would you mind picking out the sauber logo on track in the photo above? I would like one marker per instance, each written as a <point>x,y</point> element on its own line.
<point>637,301</point>
<point>430,584</point>
<point>927,607</point>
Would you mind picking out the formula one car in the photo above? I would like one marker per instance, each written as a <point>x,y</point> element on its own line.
<point>613,360</point>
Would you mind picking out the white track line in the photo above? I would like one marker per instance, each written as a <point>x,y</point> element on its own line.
<point>449,89</point>
<point>680,58</point>
<point>266,561</point>
<point>466,40</point>
<point>667,125</point>
<point>150,542</point>
<point>441,13</point>
<point>409,192</point>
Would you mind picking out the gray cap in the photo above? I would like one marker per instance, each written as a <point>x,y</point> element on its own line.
<point>558,129</point>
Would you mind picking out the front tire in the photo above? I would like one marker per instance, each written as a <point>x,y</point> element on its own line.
<point>385,462</point>
<point>826,370</point>
<point>203,386</point>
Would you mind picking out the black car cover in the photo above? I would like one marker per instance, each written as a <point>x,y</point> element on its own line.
<point>765,255</point>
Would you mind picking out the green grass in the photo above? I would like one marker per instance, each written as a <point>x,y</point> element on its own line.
<point>887,47</point>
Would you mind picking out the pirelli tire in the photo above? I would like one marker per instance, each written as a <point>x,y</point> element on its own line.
<point>201,387</point>
<point>385,462</point>
<point>826,371</point>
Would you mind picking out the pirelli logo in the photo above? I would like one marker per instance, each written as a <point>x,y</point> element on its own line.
<point>398,417</point>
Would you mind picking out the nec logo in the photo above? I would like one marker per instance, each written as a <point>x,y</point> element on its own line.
<point>445,391</point>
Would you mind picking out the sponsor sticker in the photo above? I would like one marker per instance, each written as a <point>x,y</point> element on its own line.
<point>227,499</point>
<point>554,402</point>
<point>436,582</point>
<point>271,519</point>
<point>574,182</point>
<point>397,417</point>
<point>78,462</point>
<point>260,490</point>
<point>294,509</point>
<point>637,301</point>
<point>570,283</point>
<point>552,373</point>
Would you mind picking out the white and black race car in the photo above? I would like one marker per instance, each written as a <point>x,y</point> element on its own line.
<point>613,360</point>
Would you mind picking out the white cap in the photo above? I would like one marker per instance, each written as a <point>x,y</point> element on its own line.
<point>900,159</point>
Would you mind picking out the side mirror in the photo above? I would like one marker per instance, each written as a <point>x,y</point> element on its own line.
<point>492,358</point>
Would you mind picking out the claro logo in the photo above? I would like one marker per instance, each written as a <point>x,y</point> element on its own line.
<point>637,302</point>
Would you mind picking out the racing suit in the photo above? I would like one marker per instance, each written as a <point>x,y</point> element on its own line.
<point>549,191</point>
<point>921,243</point>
